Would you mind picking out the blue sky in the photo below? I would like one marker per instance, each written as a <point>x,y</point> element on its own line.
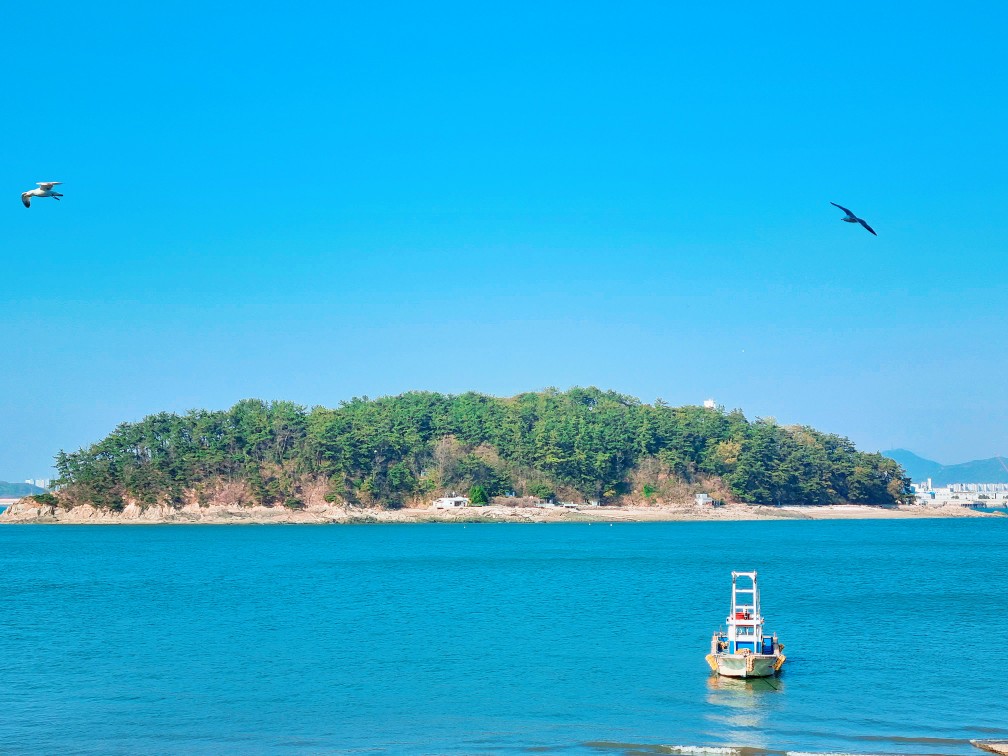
<point>322,202</point>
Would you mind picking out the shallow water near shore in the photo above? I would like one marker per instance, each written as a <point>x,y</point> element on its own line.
<point>499,638</point>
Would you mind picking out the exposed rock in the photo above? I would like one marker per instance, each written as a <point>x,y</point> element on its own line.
<point>216,512</point>
<point>28,509</point>
<point>1000,746</point>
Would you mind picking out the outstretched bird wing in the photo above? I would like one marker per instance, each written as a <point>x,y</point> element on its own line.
<point>47,185</point>
<point>870,229</point>
<point>26,199</point>
<point>849,213</point>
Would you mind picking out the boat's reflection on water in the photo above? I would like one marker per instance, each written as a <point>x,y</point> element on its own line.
<point>739,708</point>
<point>727,689</point>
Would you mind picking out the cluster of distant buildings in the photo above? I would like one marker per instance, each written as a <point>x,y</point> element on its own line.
<point>970,495</point>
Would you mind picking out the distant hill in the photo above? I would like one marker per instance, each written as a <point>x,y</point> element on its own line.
<point>915,466</point>
<point>17,490</point>
<point>993,470</point>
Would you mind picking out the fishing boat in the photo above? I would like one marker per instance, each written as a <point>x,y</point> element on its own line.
<point>742,650</point>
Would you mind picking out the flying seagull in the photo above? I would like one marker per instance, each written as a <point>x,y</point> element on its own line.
<point>45,189</point>
<point>851,218</point>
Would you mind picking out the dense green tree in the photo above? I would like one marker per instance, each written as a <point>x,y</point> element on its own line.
<point>582,442</point>
<point>541,491</point>
<point>478,496</point>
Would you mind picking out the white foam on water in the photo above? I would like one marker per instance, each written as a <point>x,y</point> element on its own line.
<point>730,751</point>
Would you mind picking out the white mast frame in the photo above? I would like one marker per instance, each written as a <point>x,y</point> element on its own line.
<point>745,621</point>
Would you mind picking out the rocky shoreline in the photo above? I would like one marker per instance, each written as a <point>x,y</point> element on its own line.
<point>28,511</point>
<point>991,746</point>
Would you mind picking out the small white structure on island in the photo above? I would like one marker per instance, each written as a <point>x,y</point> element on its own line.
<point>705,500</point>
<point>709,404</point>
<point>450,502</point>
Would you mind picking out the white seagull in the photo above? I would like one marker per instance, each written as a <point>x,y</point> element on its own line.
<point>851,218</point>
<point>45,189</point>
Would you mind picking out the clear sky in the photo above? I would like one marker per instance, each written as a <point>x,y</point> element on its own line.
<point>312,201</point>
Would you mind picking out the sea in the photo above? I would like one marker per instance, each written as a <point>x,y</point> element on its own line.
<point>499,638</point>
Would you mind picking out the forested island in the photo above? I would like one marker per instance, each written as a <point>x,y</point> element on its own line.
<point>581,444</point>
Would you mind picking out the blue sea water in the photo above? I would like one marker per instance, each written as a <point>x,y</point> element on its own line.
<point>498,638</point>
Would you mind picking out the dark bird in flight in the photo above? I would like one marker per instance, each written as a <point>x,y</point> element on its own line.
<point>45,189</point>
<point>851,218</point>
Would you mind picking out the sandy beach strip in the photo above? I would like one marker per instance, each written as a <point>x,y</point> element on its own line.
<point>28,511</point>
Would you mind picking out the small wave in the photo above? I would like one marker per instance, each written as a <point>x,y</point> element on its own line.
<point>727,751</point>
<point>682,750</point>
<point>700,750</point>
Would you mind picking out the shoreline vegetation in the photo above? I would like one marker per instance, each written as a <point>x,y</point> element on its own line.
<point>389,458</point>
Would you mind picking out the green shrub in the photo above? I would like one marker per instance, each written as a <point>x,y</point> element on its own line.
<point>541,491</point>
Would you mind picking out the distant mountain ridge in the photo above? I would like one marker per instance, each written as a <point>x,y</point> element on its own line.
<point>993,470</point>
<point>17,490</point>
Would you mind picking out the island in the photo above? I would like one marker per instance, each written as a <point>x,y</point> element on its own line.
<point>581,454</point>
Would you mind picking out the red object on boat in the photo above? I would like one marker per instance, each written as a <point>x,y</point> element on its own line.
<point>739,615</point>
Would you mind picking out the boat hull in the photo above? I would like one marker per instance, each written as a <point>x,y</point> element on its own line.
<point>746,665</point>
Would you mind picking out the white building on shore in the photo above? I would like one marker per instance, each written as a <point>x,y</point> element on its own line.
<point>972,495</point>
<point>450,502</point>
